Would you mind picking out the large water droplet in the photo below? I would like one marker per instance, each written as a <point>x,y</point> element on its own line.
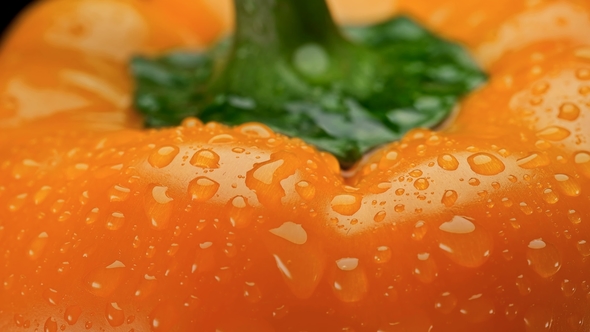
<point>553,133</point>
<point>447,162</point>
<point>118,193</point>
<point>115,221</point>
<point>543,258</point>
<point>240,213</point>
<point>50,325</point>
<point>163,156</point>
<point>42,194</point>
<point>449,198</point>
<point>346,204</point>
<point>582,161</point>
<point>349,281</point>
<point>382,255</point>
<point>425,268</point>
<point>464,243</point>
<point>158,207</point>
<point>568,185</point>
<point>202,189</point>
<point>569,111</point>
<point>534,160</point>
<point>550,196</point>
<point>305,190</point>
<point>72,314</point>
<point>252,292</point>
<point>37,246</point>
<point>477,309</point>
<point>163,318</point>
<point>421,184</point>
<point>291,232</point>
<point>205,158</point>
<point>445,303</point>
<point>104,281</point>
<point>114,314</point>
<point>485,164</point>
<point>538,319</point>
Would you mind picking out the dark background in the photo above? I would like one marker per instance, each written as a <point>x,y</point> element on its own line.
<point>9,9</point>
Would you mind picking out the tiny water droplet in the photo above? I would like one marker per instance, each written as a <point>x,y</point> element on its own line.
<point>252,292</point>
<point>102,282</point>
<point>445,303</point>
<point>582,161</point>
<point>425,268</point>
<point>50,325</point>
<point>37,246</point>
<point>477,309</point>
<point>382,255</point>
<point>419,231</point>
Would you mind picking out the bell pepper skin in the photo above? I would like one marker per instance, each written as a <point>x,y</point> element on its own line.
<point>479,226</point>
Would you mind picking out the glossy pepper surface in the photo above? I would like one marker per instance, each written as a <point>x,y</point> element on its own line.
<point>480,226</point>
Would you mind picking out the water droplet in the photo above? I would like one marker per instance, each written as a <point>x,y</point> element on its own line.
<point>202,189</point>
<point>553,133</point>
<point>569,111</point>
<point>291,232</point>
<point>118,193</point>
<point>88,325</point>
<point>222,139</point>
<point>158,206</point>
<point>582,161</point>
<point>253,129</point>
<point>164,317</point>
<point>449,198</point>
<point>419,231</point>
<point>543,258</point>
<point>415,173</point>
<point>349,281</point>
<point>474,182</point>
<point>464,243</point>
<point>305,190</point>
<point>16,202</point>
<point>240,213</point>
<point>477,309</point>
<point>346,204</point>
<point>252,292</point>
<point>550,196</point>
<point>485,164</point>
<point>583,74</point>
<point>92,216</point>
<point>146,287</point>
<point>540,88</point>
<point>534,160</point>
<point>523,285</point>
<point>102,282</point>
<point>382,255</point>
<point>425,268</point>
<point>42,194</point>
<point>583,248</point>
<point>568,288</point>
<point>72,314</point>
<point>50,325</point>
<point>205,158</point>
<point>379,216</point>
<point>389,160</point>
<point>37,246</point>
<point>115,221</point>
<point>52,296</point>
<point>163,156</point>
<point>399,208</point>
<point>538,318</point>
<point>447,162</point>
<point>114,314</point>
<point>525,208</point>
<point>568,185</point>
<point>421,184</point>
<point>445,303</point>
<point>347,264</point>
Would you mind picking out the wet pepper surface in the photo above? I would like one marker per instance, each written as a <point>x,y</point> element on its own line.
<point>481,226</point>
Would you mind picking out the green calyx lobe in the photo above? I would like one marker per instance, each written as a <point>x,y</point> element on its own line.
<point>289,66</point>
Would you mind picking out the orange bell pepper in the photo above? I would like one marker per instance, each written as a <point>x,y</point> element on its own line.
<point>482,225</point>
